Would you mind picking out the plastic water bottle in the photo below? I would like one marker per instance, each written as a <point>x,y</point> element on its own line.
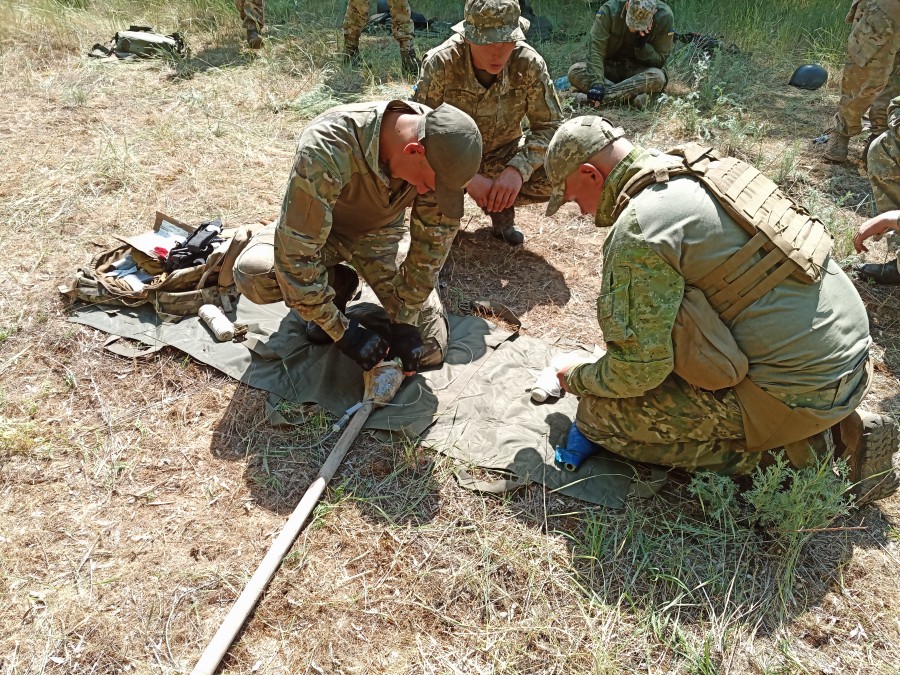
<point>218,323</point>
<point>562,83</point>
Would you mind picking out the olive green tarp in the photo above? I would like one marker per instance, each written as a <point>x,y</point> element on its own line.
<point>477,408</point>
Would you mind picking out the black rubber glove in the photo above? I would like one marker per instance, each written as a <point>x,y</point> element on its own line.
<point>362,345</point>
<point>641,41</point>
<point>406,342</point>
<point>596,93</point>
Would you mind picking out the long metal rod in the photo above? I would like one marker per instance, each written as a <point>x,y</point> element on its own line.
<point>248,598</point>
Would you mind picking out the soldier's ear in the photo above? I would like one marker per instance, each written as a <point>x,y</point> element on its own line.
<point>414,148</point>
<point>591,172</point>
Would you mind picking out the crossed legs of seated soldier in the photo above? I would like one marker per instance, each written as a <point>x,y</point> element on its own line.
<point>535,190</point>
<point>373,256</point>
<point>679,425</point>
<point>625,80</point>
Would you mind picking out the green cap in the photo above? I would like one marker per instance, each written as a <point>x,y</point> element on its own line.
<point>489,21</point>
<point>453,149</point>
<point>640,14</point>
<point>573,144</point>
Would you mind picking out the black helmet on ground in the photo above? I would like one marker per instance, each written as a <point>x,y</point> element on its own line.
<point>809,76</point>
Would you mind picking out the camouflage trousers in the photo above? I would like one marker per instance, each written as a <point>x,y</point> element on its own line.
<point>252,14</point>
<point>358,15</point>
<point>624,80</point>
<point>373,255</point>
<point>870,71</point>
<point>677,424</point>
<point>536,190</point>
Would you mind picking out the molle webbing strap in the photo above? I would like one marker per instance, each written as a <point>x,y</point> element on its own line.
<point>790,241</point>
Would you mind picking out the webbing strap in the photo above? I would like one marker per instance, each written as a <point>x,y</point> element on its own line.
<point>738,288</point>
<point>718,278</point>
<point>766,285</point>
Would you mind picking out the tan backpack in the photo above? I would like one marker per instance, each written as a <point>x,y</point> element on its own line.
<point>173,295</point>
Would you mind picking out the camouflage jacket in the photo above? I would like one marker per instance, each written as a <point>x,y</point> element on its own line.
<point>522,90</point>
<point>338,187</point>
<point>610,39</point>
<point>798,337</point>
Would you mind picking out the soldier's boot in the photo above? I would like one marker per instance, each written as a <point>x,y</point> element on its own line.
<point>503,226</point>
<point>870,443</point>
<point>254,39</point>
<point>345,284</point>
<point>837,147</point>
<point>880,273</point>
<point>351,50</point>
<point>409,60</point>
<point>641,101</point>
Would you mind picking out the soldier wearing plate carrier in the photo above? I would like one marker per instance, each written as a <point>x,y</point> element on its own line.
<point>730,330</point>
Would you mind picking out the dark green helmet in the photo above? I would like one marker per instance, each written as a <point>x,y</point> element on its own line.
<point>810,76</point>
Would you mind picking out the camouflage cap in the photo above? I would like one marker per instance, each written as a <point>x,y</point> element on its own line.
<point>489,21</point>
<point>453,149</point>
<point>640,14</point>
<point>573,144</point>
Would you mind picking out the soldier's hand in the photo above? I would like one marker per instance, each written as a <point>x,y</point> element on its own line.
<point>596,93</point>
<point>479,188</point>
<point>505,189</point>
<point>406,343</point>
<point>874,227</point>
<point>561,377</point>
<point>363,345</point>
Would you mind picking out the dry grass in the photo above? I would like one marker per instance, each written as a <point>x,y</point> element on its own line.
<point>137,497</point>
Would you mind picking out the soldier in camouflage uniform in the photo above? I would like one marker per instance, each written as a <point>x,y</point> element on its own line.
<point>807,344</point>
<point>870,74</point>
<point>401,25</point>
<point>628,47</point>
<point>253,17</point>
<point>357,169</point>
<point>883,163</point>
<point>488,71</point>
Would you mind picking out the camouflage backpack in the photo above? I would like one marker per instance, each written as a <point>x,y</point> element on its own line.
<point>173,294</point>
<point>140,42</point>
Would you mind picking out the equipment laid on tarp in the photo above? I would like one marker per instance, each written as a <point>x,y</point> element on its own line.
<point>140,42</point>
<point>175,268</point>
<point>476,409</point>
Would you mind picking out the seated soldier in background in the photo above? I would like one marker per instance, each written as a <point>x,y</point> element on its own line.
<point>401,26</point>
<point>357,169</point>
<point>253,17</point>
<point>883,164</point>
<point>488,71</point>
<point>722,344</point>
<point>628,47</point>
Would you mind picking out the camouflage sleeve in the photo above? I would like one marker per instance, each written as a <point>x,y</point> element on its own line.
<point>431,235</point>
<point>639,299</point>
<point>597,47</point>
<point>656,52</point>
<point>544,113</point>
<point>429,89</point>
<point>299,237</point>
<point>894,118</point>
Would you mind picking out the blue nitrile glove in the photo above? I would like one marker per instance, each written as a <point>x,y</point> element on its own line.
<point>596,93</point>
<point>578,448</point>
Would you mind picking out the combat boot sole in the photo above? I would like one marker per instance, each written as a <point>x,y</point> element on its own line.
<point>872,451</point>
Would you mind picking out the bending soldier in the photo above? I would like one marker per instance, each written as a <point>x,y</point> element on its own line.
<point>357,169</point>
<point>722,344</point>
